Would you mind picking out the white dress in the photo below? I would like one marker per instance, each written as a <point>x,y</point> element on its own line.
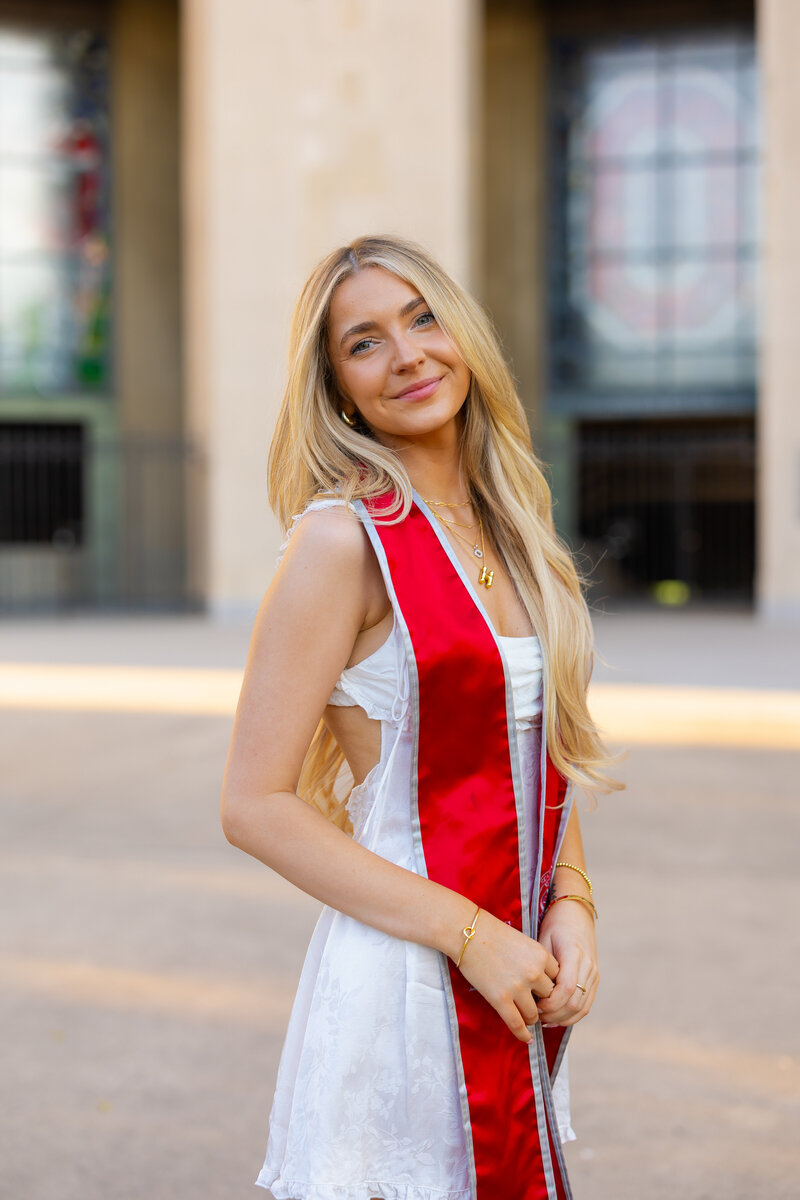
<point>366,1102</point>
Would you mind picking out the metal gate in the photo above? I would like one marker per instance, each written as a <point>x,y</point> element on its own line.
<point>668,508</point>
<point>88,521</point>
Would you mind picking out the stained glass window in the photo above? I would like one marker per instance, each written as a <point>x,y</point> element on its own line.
<point>54,212</point>
<point>655,223</point>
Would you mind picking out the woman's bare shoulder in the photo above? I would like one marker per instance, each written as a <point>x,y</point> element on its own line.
<point>329,553</point>
<point>330,536</point>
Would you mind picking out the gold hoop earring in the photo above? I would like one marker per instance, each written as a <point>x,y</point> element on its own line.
<point>347,420</point>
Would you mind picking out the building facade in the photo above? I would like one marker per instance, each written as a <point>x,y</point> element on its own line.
<point>617,188</point>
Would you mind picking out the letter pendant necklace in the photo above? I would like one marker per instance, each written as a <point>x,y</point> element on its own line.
<point>486,577</point>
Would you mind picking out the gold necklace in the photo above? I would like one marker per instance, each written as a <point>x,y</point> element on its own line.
<point>486,576</point>
<point>445,504</point>
<point>448,504</point>
<point>458,524</point>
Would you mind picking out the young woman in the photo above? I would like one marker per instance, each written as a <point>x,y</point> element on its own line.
<point>425,640</point>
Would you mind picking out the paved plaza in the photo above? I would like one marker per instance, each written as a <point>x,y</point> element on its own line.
<point>147,968</point>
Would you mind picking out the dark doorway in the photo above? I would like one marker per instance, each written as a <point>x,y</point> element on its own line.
<point>667,508</point>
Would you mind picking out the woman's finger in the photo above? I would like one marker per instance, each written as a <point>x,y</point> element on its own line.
<point>526,1006</point>
<point>574,1017</point>
<point>516,1022</point>
<point>576,968</point>
<point>565,988</point>
<point>583,989</point>
<point>566,1010</point>
<point>543,986</point>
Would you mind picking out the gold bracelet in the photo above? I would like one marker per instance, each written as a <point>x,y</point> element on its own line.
<point>580,899</point>
<point>580,871</point>
<point>469,934</point>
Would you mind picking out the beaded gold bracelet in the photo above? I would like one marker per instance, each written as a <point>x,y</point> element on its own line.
<point>580,871</point>
<point>580,899</point>
<point>469,934</point>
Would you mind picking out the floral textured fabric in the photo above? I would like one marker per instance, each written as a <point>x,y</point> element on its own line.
<point>367,1103</point>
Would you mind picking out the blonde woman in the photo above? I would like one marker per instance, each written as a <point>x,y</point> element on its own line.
<point>425,641</point>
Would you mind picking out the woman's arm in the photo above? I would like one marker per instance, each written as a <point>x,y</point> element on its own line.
<point>327,589</point>
<point>567,931</point>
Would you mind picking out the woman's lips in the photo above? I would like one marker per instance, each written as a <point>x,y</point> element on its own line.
<point>421,390</point>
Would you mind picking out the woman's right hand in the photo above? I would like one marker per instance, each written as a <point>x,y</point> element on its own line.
<point>510,970</point>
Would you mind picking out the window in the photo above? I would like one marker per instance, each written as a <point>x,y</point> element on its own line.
<point>656,225</point>
<point>54,212</point>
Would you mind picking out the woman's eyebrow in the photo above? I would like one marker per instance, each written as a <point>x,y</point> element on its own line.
<point>365,326</point>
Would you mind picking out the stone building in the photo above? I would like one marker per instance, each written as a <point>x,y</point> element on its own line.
<point>617,185</point>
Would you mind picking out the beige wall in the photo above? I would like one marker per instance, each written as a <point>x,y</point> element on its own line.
<point>291,148</point>
<point>778,506</point>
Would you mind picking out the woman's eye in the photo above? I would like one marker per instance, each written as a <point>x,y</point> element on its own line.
<point>426,318</point>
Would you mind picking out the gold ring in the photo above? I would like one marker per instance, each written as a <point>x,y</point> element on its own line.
<point>582,988</point>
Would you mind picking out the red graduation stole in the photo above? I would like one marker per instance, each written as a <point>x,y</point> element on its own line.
<point>469,835</point>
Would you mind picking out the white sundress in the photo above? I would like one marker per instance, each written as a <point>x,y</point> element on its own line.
<point>366,1101</point>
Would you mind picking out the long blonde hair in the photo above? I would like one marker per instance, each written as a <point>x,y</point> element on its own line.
<point>313,450</point>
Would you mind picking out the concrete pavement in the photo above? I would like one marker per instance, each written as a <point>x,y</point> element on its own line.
<point>148,968</point>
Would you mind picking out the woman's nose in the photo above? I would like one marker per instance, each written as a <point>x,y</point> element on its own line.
<point>407,353</point>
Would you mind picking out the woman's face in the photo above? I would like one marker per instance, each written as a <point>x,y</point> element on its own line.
<point>391,360</point>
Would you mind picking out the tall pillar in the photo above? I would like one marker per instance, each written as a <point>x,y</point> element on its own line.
<point>145,483</point>
<point>516,232</point>
<point>305,124</point>
<point>515,56</point>
<point>778,571</point>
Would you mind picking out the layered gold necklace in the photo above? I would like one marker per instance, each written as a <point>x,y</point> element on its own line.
<point>478,549</point>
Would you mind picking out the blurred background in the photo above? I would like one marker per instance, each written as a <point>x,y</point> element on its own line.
<point>620,186</point>
<point>615,185</point>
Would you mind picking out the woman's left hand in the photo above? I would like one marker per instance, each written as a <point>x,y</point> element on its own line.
<point>567,931</point>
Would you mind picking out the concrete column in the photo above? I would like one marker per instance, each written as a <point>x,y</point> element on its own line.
<point>146,145</point>
<point>146,484</point>
<point>515,56</point>
<point>515,238</point>
<point>778,427</point>
<point>306,123</point>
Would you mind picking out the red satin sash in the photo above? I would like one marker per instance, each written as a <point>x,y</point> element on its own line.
<point>469,836</point>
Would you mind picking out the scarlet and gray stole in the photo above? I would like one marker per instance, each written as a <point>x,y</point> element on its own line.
<point>470,835</point>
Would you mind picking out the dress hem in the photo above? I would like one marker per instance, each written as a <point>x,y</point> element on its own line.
<point>295,1189</point>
